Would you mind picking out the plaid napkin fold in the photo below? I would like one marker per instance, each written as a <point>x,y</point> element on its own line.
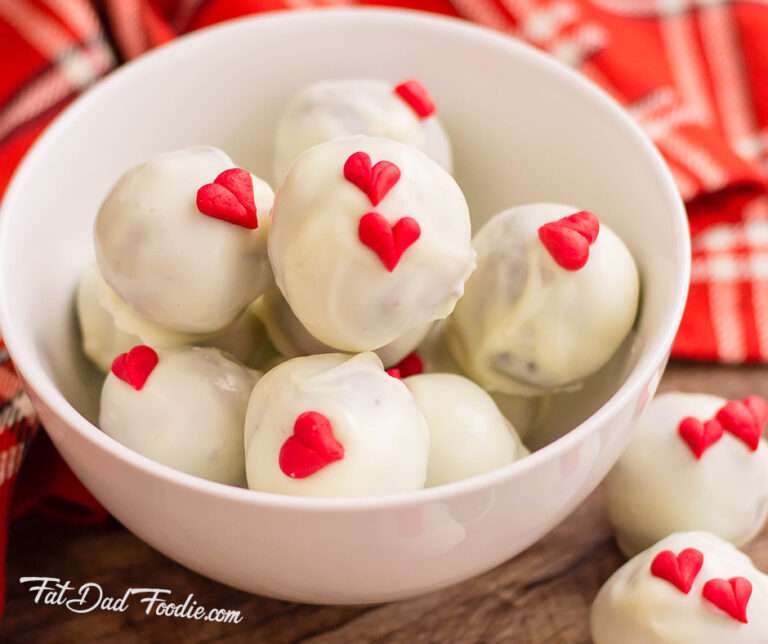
<point>694,73</point>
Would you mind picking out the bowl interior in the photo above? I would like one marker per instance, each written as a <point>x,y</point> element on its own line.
<point>523,128</point>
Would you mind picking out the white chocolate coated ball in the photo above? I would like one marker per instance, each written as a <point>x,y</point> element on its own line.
<point>636,607</point>
<point>331,109</point>
<point>109,327</point>
<point>189,414</point>
<point>468,433</point>
<point>292,339</point>
<point>658,486</point>
<point>174,265</point>
<point>528,326</point>
<point>339,287</point>
<point>384,435</point>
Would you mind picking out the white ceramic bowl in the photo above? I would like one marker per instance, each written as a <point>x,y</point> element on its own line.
<point>524,129</point>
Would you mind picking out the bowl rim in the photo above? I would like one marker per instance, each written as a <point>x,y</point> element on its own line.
<point>654,352</point>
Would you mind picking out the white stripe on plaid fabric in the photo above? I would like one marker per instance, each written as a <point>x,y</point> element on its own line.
<point>727,269</point>
<point>8,458</point>
<point>660,101</point>
<point>724,273</point>
<point>16,410</point>
<point>585,42</point>
<point>17,416</point>
<point>519,9</point>
<point>760,304</point>
<point>728,238</point>
<point>68,75</point>
<point>545,24</point>
<point>660,112</point>
<point>755,146</point>
<point>10,461</point>
<point>697,160</point>
<point>756,227</point>
<point>680,43</point>
<point>655,8</point>
<point>660,127</point>
<point>724,55</point>
<point>79,15</point>
<point>37,27</point>
<point>727,323</point>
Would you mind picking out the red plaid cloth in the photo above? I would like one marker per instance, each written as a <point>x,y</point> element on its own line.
<point>694,73</point>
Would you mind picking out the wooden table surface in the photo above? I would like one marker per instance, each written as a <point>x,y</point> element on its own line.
<point>541,597</point>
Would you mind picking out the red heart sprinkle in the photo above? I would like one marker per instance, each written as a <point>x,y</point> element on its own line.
<point>738,419</point>
<point>411,365</point>
<point>585,223</point>
<point>567,247</point>
<point>417,97</point>
<point>699,436</point>
<point>387,241</point>
<point>135,366</point>
<point>679,570</point>
<point>311,447</point>
<point>759,408</point>
<point>230,198</point>
<point>568,239</point>
<point>730,595</point>
<point>374,181</point>
<point>395,373</point>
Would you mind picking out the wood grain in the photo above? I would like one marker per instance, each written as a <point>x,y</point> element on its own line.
<point>541,597</point>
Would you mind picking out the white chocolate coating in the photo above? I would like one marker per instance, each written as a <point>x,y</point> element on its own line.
<point>527,326</point>
<point>110,327</point>
<point>292,339</point>
<point>635,607</point>
<point>189,415</point>
<point>331,109</point>
<point>385,436</point>
<point>174,265</point>
<point>525,413</point>
<point>468,433</point>
<point>336,285</point>
<point>658,486</point>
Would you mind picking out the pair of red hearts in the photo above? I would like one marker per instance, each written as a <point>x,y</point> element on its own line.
<point>729,595</point>
<point>744,419</point>
<point>311,447</point>
<point>568,239</point>
<point>388,241</point>
<point>230,198</point>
